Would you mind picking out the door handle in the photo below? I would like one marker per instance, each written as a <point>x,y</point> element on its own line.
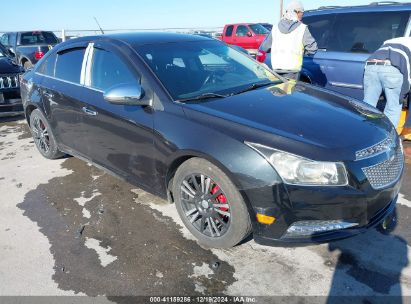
<point>89,112</point>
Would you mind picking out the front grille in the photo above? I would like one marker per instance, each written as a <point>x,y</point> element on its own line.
<point>9,81</point>
<point>387,172</point>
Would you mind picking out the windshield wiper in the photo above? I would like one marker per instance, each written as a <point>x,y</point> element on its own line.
<point>202,96</point>
<point>255,86</point>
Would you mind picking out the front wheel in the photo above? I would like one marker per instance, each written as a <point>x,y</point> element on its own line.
<point>27,65</point>
<point>43,135</point>
<point>209,204</point>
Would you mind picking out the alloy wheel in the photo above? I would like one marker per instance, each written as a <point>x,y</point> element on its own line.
<point>205,205</point>
<point>41,135</point>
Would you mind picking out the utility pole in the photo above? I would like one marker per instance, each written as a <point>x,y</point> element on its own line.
<point>281,8</point>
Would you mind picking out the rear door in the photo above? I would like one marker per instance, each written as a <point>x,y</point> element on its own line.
<point>119,137</point>
<point>62,93</point>
<point>346,41</point>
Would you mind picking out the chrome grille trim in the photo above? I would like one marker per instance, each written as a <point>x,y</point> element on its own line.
<point>387,172</point>
<point>381,147</point>
<point>9,81</point>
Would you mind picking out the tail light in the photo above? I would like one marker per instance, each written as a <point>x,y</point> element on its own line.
<point>38,55</point>
<point>261,55</point>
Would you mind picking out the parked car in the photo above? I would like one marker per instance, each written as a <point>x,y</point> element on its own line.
<point>10,101</point>
<point>233,146</point>
<point>346,37</point>
<point>247,35</point>
<point>29,47</point>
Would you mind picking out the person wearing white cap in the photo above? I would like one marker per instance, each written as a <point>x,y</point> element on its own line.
<point>289,40</point>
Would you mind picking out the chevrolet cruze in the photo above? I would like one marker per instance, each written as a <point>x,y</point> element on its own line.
<point>236,148</point>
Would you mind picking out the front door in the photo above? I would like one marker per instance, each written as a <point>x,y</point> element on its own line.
<point>119,137</point>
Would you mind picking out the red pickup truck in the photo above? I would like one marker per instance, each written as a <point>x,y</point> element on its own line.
<point>246,35</point>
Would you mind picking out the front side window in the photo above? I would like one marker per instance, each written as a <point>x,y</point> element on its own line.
<point>321,28</point>
<point>366,32</point>
<point>29,38</point>
<point>241,31</point>
<point>69,63</point>
<point>259,29</point>
<point>108,70</point>
<point>190,69</point>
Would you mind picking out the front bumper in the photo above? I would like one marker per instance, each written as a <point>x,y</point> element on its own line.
<point>365,208</point>
<point>10,103</point>
<point>330,235</point>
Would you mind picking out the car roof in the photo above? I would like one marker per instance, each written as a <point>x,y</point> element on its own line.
<point>372,7</point>
<point>140,38</point>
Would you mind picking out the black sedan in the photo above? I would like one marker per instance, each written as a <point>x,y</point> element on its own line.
<point>10,101</point>
<point>234,146</point>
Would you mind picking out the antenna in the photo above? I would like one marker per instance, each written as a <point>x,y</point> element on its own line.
<point>99,25</point>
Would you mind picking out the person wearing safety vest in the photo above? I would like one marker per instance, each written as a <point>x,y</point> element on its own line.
<point>288,42</point>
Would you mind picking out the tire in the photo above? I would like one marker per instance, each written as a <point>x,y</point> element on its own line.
<point>221,206</point>
<point>43,136</point>
<point>27,65</point>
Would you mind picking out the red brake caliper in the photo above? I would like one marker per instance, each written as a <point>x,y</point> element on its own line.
<point>221,199</point>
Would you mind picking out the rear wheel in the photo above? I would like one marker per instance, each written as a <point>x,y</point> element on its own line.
<point>210,205</point>
<point>43,136</point>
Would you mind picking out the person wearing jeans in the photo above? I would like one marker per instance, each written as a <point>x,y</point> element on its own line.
<point>388,70</point>
<point>388,78</point>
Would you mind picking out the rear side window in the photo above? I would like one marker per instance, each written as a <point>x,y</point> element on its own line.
<point>259,29</point>
<point>69,63</point>
<point>321,28</point>
<point>366,32</point>
<point>229,30</point>
<point>108,70</point>
<point>241,31</point>
<point>47,68</point>
<point>29,38</point>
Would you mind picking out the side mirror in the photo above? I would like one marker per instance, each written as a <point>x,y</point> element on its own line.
<point>127,94</point>
<point>249,34</point>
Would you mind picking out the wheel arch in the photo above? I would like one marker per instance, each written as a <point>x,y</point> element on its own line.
<point>28,110</point>
<point>183,156</point>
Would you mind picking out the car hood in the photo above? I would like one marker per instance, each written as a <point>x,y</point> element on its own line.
<point>8,67</point>
<point>298,118</point>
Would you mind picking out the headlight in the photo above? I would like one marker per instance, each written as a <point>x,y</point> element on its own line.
<point>296,170</point>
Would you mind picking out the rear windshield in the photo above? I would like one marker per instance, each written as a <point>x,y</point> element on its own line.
<point>259,29</point>
<point>29,38</point>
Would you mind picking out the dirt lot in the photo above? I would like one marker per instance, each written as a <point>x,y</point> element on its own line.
<point>68,228</point>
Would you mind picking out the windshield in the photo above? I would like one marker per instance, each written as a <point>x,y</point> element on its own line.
<point>259,29</point>
<point>193,68</point>
<point>30,38</point>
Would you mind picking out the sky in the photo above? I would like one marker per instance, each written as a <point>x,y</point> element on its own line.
<point>145,14</point>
